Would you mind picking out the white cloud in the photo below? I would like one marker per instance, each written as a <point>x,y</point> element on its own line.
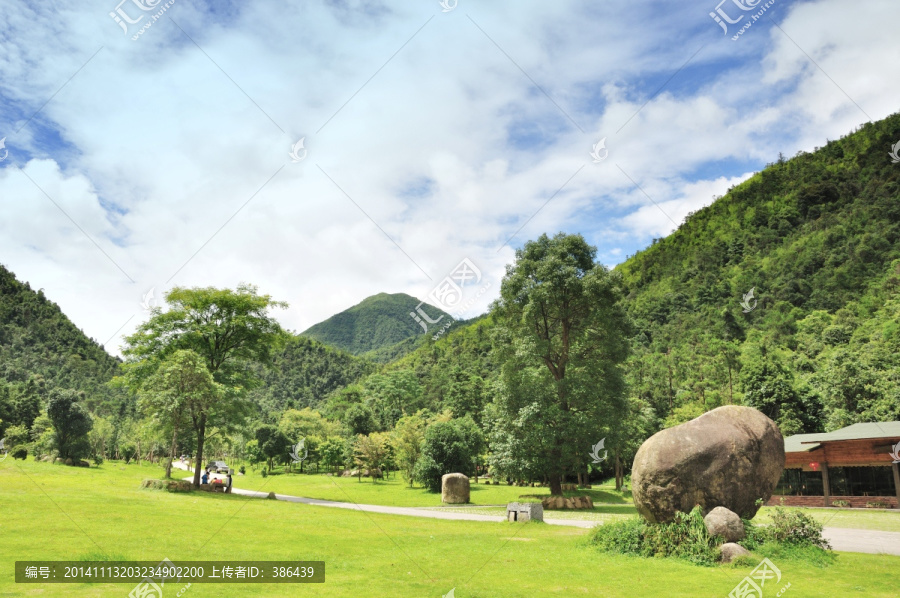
<point>155,128</point>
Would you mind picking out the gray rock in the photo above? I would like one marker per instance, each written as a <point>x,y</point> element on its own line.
<point>271,496</point>
<point>722,522</point>
<point>454,488</point>
<point>731,457</point>
<point>730,551</point>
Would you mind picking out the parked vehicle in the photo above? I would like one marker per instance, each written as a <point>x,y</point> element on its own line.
<point>217,467</point>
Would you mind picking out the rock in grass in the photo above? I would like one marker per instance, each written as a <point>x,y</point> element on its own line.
<point>271,496</point>
<point>722,522</point>
<point>730,457</point>
<point>454,488</point>
<point>730,551</point>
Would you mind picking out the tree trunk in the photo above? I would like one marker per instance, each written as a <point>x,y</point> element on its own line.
<point>201,434</point>
<point>556,484</point>
<point>171,452</point>
<point>620,477</point>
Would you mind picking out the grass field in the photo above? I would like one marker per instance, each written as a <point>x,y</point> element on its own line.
<point>56,512</point>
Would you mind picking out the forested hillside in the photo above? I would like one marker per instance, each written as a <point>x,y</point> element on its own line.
<point>41,349</point>
<point>304,373</point>
<point>378,322</point>
<point>816,239</point>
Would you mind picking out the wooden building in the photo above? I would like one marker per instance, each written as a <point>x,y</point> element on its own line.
<point>853,466</point>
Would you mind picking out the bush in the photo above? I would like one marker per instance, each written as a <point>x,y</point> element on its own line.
<point>265,472</point>
<point>840,503</point>
<point>684,538</point>
<point>796,528</point>
<point>98,460</point>
<point>449,447</point>
<point>620,537</point>
<point>243,470</point>
<point>19,452</point>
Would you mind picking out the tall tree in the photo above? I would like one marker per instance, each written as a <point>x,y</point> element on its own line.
<point>180,391</point>
<point>563,337</point>
<point>228,329</point>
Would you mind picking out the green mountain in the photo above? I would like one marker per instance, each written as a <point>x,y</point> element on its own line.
<point>41,349</point>
<point>379,322</point>
<point>304,373</point>
<point>816,346</point>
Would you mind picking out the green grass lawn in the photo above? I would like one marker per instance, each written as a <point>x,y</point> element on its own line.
<point>55,512</point>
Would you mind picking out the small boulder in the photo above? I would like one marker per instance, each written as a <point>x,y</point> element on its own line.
<point>722,522</point>
<point>730,551</point>
<point>271,496</point>
<point>454,488</point>
<point>731,457</point>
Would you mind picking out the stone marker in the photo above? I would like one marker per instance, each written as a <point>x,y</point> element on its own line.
<point>722,522</point>
<point>730,457</point>
<point>454,488</point>
<point>730,551</point>
<point>525,511</point>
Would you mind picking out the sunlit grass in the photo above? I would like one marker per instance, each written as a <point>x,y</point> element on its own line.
<point>57,512</point>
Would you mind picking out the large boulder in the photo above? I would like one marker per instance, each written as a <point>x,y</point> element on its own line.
<point>724,523</point>
<point>454,488</point>
<point>729,457</point>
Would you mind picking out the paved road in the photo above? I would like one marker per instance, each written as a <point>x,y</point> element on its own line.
<point>843,539</point>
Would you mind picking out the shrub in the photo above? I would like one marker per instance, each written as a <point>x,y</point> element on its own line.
<point>685,538</point>
<point>243,470</point>
<point>796,528</point>
<point>622,537</point>
<point>19,452</point>
<point>265,472</point>
<point>840,503</point>
<point>98,460</point>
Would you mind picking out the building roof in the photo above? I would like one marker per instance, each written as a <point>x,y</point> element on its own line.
<point>872,430</point>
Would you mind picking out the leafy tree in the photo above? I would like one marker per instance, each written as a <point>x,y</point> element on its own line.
<point>370,452</point>
<point>180,391</point>
<point>230,330</point>
<point>360,420</point>
<point>449,447</point>
<point>272,443</point>
<point>563,338</point>
<point>407,438</point>
<point>332,451</point>
<point>71,423</point>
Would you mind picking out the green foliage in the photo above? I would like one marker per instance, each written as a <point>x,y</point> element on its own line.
<point>359,419</point>
<point>71,423</point>
<point>19,452</point>
<point>449,447</point>
<point>562,337</point>
<point>818,238</point>
<point>379,321</point>
<point>304,373</point>
<point>683,538</point>
<point>796,528</point>
<point>407,439</point>
<point>40,350</point>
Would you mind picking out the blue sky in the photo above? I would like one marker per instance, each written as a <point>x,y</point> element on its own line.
<point>429,136</point>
